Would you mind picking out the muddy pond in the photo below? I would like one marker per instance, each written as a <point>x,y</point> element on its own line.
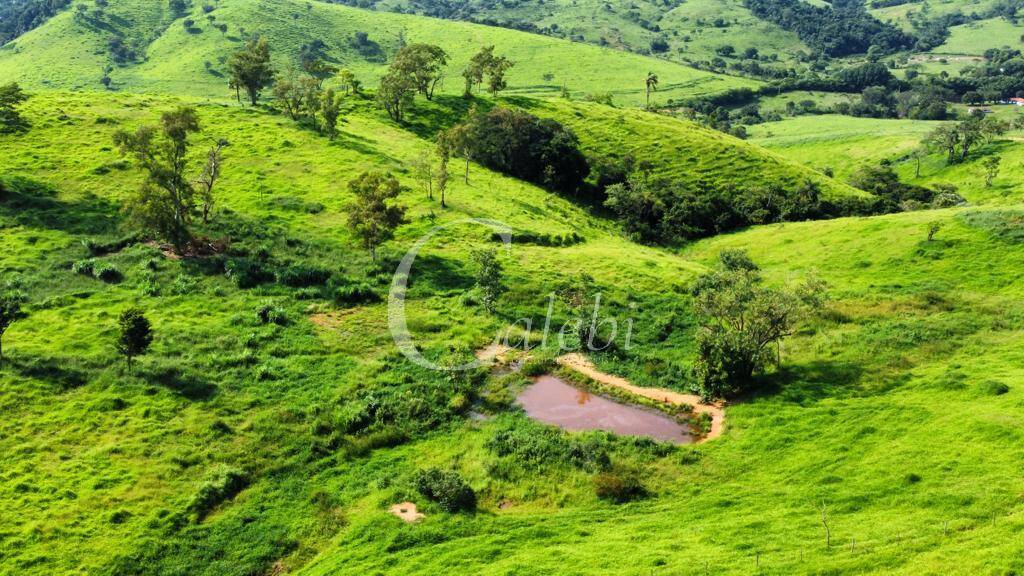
<point>553,401</point>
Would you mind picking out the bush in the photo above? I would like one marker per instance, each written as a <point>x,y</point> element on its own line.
<point>83,267</point>
<point>994,388</point>
<point>447,489</point>
<point>619,485</point>
<point>270,313</point>
<point>248,272</point>
<point>221,484</point>
<point>301,276</point>
<point>355,294</point>
<point>106,272</point>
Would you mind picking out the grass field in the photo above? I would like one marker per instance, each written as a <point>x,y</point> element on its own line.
<point>270,427</point>
<point>71,55</point>
<point>844,144</point>
<point>976,37</point>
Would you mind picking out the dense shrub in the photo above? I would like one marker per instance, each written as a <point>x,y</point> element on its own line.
<point>994,388</point>
<point>301,276</point>
<point>249,272</point>
<point>539,446</point>
<point>447,489</point>
<point>355,294</point>
<point>520,144</point>
<point>270,313</point>
<point>619,484</point>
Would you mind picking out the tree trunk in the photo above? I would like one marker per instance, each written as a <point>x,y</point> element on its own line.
<point>443,205</point>
<point>467,168</point>
<point>917,173</point>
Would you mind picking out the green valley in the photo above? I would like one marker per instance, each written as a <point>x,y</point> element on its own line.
<point>277,276</point>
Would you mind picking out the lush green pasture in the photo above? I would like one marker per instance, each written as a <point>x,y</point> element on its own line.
<point>882,416</point>
<point>681,149</point>
<point>67,54</point>
<point>881,410</point>
<point>898,14</point>
<point>976,37</point>
<point>844,144</point>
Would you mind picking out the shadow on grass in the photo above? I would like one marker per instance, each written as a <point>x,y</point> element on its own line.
<point>811,382</point>
<point>174,379</point>
<point>26,202</point>
<point>59,372</point>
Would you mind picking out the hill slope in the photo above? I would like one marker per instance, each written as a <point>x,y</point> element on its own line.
<point>68,52</point>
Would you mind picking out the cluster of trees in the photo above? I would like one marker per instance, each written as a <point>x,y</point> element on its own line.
<point>416,68</point>
<point>519,144</point>
<point>167,202</point>
<point>958,139</point>
<point>842,29</point>
<point>20,16</point>
<point>420,68</point>
<point>662,211</point>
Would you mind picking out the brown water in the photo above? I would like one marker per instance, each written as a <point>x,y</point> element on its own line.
<point>552,401</point>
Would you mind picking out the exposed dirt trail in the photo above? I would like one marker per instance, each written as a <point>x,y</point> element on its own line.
<point>580,363</point>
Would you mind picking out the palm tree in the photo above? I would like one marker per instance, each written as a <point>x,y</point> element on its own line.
<point>652,85</point>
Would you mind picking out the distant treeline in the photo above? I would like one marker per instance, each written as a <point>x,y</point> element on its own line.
<point>20,16</point>
<point>842,30</point>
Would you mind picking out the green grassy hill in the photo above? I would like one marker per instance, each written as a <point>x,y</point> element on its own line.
<point>273,422</point>
<point>976,37</point>
<point>680,149</point>
<point>883,410</point>
<point>692,30</point>
<point>844,143</point>
<point>72,54</point>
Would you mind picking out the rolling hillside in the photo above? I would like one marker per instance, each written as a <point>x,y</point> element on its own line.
<point>72,53</point>
<point>273,424</point>
<point>844,144</point>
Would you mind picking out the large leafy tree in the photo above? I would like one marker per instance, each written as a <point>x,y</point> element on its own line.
<point>166,200</point>
<point>485,64</point>
<point>11,98</point>
<point>423,65</point>
<point>395,94</point>
<point>741,320</point>
<point>373,217</point>
<point>251,69</point>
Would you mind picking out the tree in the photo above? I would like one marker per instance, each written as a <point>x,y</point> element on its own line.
<point>289,96</point>
<point>918,154</point>
<point>652,85</point>
<point>11,97</point>
<point>444,154</point>
<point>739,321</point>
<point>395,94</point>
<point>311,97</point>
<point>575,292</point>
<point>165,202</point>
<point>10,312</point>
<point>485,63</point>
<point>946,138</point>
<point>347,80</point>
<point>423,171</point>
<point>251,69</point>
<point>933,229</point>
<point>330,109</point>
<point>488,276</point>
<point>372,218</point>
<point>209,176</point>
<point>423,65</point>
<point>991,165</point>
<point>134,334</point>
<point>319,69</point>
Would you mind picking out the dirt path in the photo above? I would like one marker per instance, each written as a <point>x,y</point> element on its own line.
<point>581,364</point>
<point>407,511</point>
